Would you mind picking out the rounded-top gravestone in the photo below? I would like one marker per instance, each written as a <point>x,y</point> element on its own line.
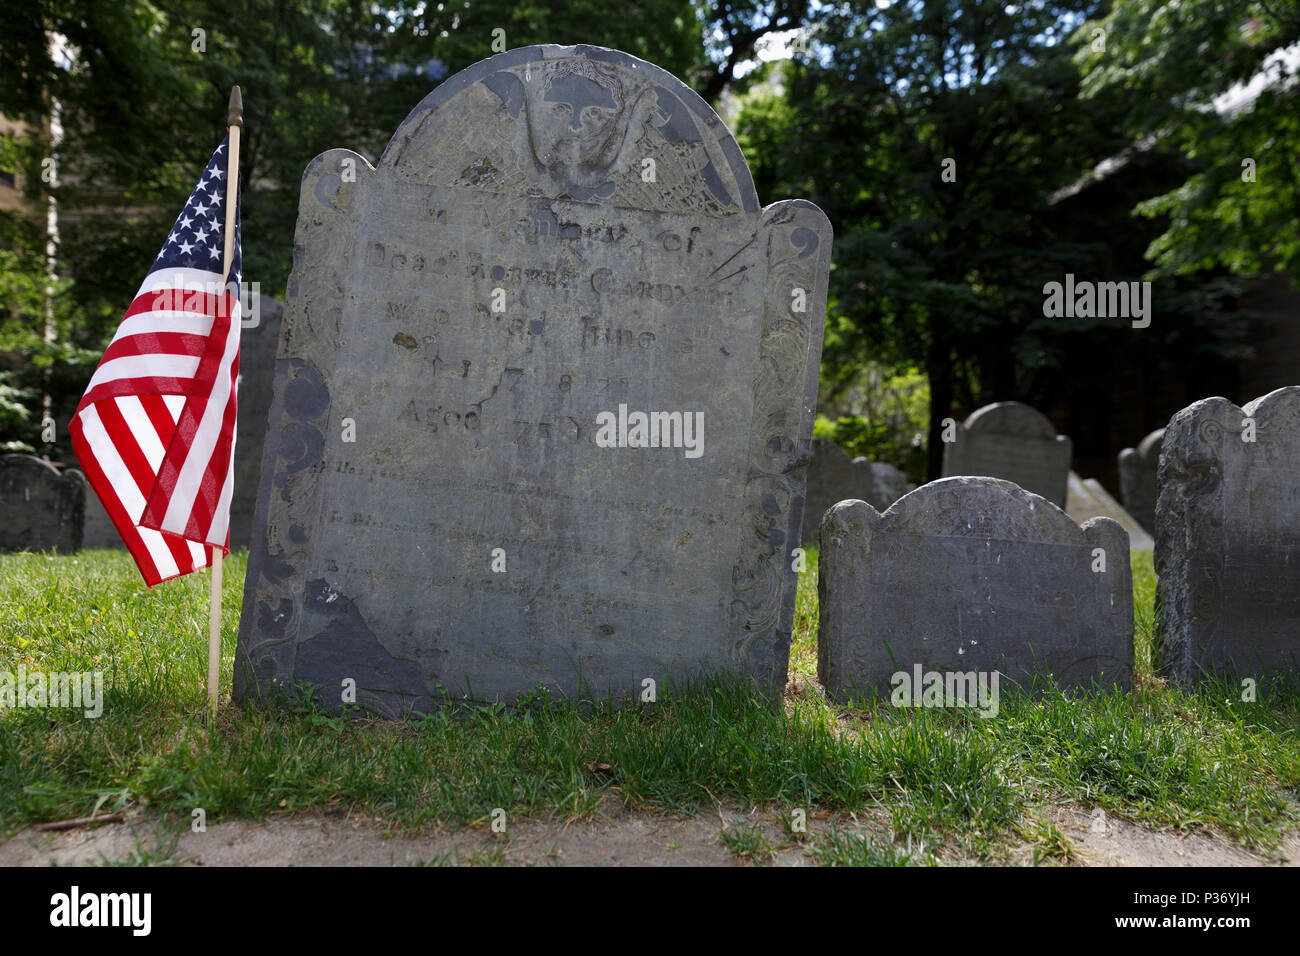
<point>542,404</point>
<point>833,477</point>
<point>41,509</point>
<point>1014,442</point>
<point>1137,478</point>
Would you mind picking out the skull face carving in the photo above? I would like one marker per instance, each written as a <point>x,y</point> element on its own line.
<point>573,121</point>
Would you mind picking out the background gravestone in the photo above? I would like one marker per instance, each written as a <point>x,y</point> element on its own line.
<point>971,574</point>
<point>1137,478</point>
<point>552,234</point>
<point>1011,441</point>
<point>39,508</point>
<point>257,345</point>
<point>890,484</point>
<point>1087,499</point>
<point>832,477</point>
<point>1228,540</point>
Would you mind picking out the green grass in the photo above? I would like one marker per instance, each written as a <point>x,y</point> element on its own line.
<point>945,781</point>
<point>748,843</point>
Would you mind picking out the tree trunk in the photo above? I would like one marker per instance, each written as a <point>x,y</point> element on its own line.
<point>938,366</point>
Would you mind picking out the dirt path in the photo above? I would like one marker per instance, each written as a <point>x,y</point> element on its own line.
<point>614,837</point>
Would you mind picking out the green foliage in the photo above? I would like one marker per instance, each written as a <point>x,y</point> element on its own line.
<point>875,440</point>
<point>1169,62</point>
<point>881,416</point>
<point>941,272</point>
<point>15,420</point>
<point>143,105</point>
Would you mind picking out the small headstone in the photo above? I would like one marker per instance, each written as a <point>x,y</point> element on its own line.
<point>1228,540</point>
<point>832,477</point>
<point>1014,442</point>
<point>1087,499</point>
<point>1137,478</point>
<point>257,346</point>
<point>890,483</point>
<point>40,509</point>
<point>560,252</point>
<point>971,574</point>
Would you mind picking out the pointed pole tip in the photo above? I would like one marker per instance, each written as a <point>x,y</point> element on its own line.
<point>236,115</point>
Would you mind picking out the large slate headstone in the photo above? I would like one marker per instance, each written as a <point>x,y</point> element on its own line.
<point>1014,442</point>
<point>553,236</point>
<point>1137,478</point>
<point>1228,540</point>
<point>257,345</point>
<point>40,509</point>
<point>971,574</point>
<point>832,477</point>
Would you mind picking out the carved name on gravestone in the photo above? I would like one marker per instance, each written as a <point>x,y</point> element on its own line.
<point>833,477</point>
<point>257,345</point>
<point>1014,442</point>
<point>971,574</point>
<point>1137,478</point>
<point>558,261</point>
<point>1228,539</point>
<point>40,509</point>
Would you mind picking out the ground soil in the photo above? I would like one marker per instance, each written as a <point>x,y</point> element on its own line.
<point>614,836</point>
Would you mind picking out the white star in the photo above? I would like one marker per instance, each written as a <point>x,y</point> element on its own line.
<point>212,253</point>
<point>201,236</point>
<point>170,239</point>
<point>202,187</point>
<point>185,222</point>
<point>218,173</point>
<point>200,209</point>
<point>220,148</point>
<point>185,248</point>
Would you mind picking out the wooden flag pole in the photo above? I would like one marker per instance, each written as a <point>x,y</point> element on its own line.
<point>235,121</point>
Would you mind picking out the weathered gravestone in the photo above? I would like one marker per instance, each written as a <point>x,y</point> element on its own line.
<point>556,242</point>
<point>1014,442</point>
<point>1228,540</point>
<point>971,574</point>
<point>40,509</point>
<point>257,345</point>
<point>1137,478</point>
<point>1087,498</point>
<point>890,483</point>
<point>832,477</point>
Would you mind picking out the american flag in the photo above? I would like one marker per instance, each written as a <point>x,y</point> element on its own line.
<point>155,431</point>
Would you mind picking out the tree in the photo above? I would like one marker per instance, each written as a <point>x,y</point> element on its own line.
<point>1237,206</point>
<point>932,134</point>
